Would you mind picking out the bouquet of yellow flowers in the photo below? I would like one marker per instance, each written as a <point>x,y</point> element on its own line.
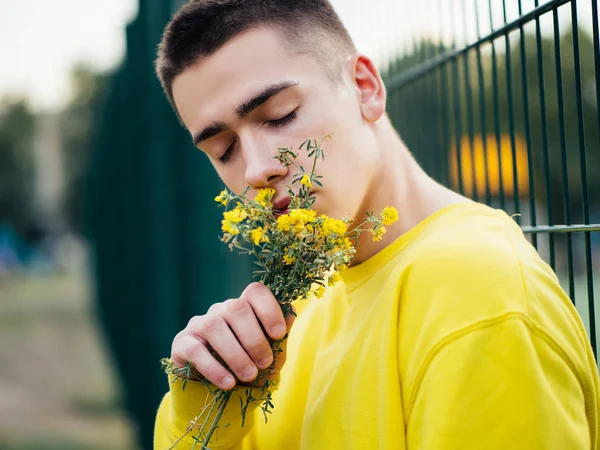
<point>297,253</point>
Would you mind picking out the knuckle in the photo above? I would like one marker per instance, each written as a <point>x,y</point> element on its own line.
<point>192,323</point>
<point>209,324</point>
<point>179,336</point>
<point>215,309</point>
<point>183,349</point>
<point>177,345</point>
<point>237,306</point>
<point>255,288</point>
<point>211,369</point>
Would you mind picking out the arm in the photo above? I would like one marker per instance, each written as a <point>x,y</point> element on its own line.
<point>498,384</point>
<point>179,407</point>
<point>231,335</point>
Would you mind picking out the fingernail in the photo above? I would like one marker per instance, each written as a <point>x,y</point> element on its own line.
<point>227,381</point>
<point>278,330</point>
<point>249,372</point>
<point>264,363</point>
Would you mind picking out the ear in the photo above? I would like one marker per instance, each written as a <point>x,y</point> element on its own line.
<point>369,87</point>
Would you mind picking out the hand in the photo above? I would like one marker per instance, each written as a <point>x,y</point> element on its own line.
<point>234,332</point>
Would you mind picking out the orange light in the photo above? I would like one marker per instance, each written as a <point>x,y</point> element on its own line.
<point>474,164</point>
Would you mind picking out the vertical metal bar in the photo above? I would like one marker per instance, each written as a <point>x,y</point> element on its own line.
<point>457,125</point>
<point>583,169</point>
<point>414,91</point>
<point>482,107</point>
<point>563,149</point>
<point>443,81</point>
<point>469,100</point>
<point>427,91</point>
<point>496,112</point>
<point>438,146</point>
<point>530,161</point>
<point>544,124</point>
<point>511,119</point>
<point>596,39</point>
<point>457,118</point>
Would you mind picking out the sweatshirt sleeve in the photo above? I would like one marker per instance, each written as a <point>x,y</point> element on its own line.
<point>179,408</point>
<point>498,384</point>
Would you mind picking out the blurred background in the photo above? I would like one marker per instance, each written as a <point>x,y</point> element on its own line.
<point>108,231</point>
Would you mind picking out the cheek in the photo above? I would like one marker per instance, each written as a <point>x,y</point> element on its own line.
<point>232,175</point>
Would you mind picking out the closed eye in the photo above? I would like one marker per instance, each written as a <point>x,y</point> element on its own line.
<point>283,121</point>
<point>274,123</point>
<point>223,159</point>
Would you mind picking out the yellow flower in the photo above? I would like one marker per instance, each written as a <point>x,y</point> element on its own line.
<point>306,181</point>
<point>300,218</point>
<point>265,196</point>
<point>236,215</point>
<point>230,227</point>
<point>258,236</point>
<point>254,213</point>
<point>231,219</point>
<point>378,233</point>
<point>389,215</point>
<point>303,215</point>
<point>221,198</point>
<point>333,226</point>
<point>344,244</point>
<point>333,279</point>
<point>319,292</point>
<point>284,222</point>
<point>297,218</point>
<point>289,260</point>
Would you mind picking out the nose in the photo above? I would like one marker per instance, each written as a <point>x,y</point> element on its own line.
<point>262,169</point>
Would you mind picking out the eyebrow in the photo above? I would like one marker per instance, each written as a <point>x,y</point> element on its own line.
<point>244,110</point>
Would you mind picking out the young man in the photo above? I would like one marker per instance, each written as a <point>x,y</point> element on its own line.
<point>450,333</point>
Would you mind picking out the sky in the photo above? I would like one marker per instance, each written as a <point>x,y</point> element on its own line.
<point>41,40</point>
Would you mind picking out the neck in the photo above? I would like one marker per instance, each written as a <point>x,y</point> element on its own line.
<point>401,183</point>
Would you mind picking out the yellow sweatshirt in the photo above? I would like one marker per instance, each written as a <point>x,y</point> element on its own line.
<point>455,336</point>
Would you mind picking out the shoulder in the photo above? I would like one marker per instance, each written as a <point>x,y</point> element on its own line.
<point>479,269</point>
<point>478,251</point>
<point>464,271</point>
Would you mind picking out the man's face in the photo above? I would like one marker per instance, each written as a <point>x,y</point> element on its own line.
<point>254,96</point>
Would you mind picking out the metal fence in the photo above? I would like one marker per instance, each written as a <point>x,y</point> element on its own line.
<point>505,110</point>
<point>497,99</point>
<point>153,224</point>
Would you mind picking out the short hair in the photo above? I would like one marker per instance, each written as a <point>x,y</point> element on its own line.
<point>201,27</point>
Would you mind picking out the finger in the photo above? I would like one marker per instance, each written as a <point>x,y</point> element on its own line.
<point>222,340</point>
<point>289,320</point>
<point>240,317</point>
<point>281,355</point>
<point>267,309</point>
<point>190,349</point>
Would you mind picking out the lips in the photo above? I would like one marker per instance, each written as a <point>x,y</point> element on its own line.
<point>281,206</point>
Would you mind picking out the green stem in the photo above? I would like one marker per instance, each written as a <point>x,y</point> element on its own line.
<point>314,164</point>
<point>226,395</point>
